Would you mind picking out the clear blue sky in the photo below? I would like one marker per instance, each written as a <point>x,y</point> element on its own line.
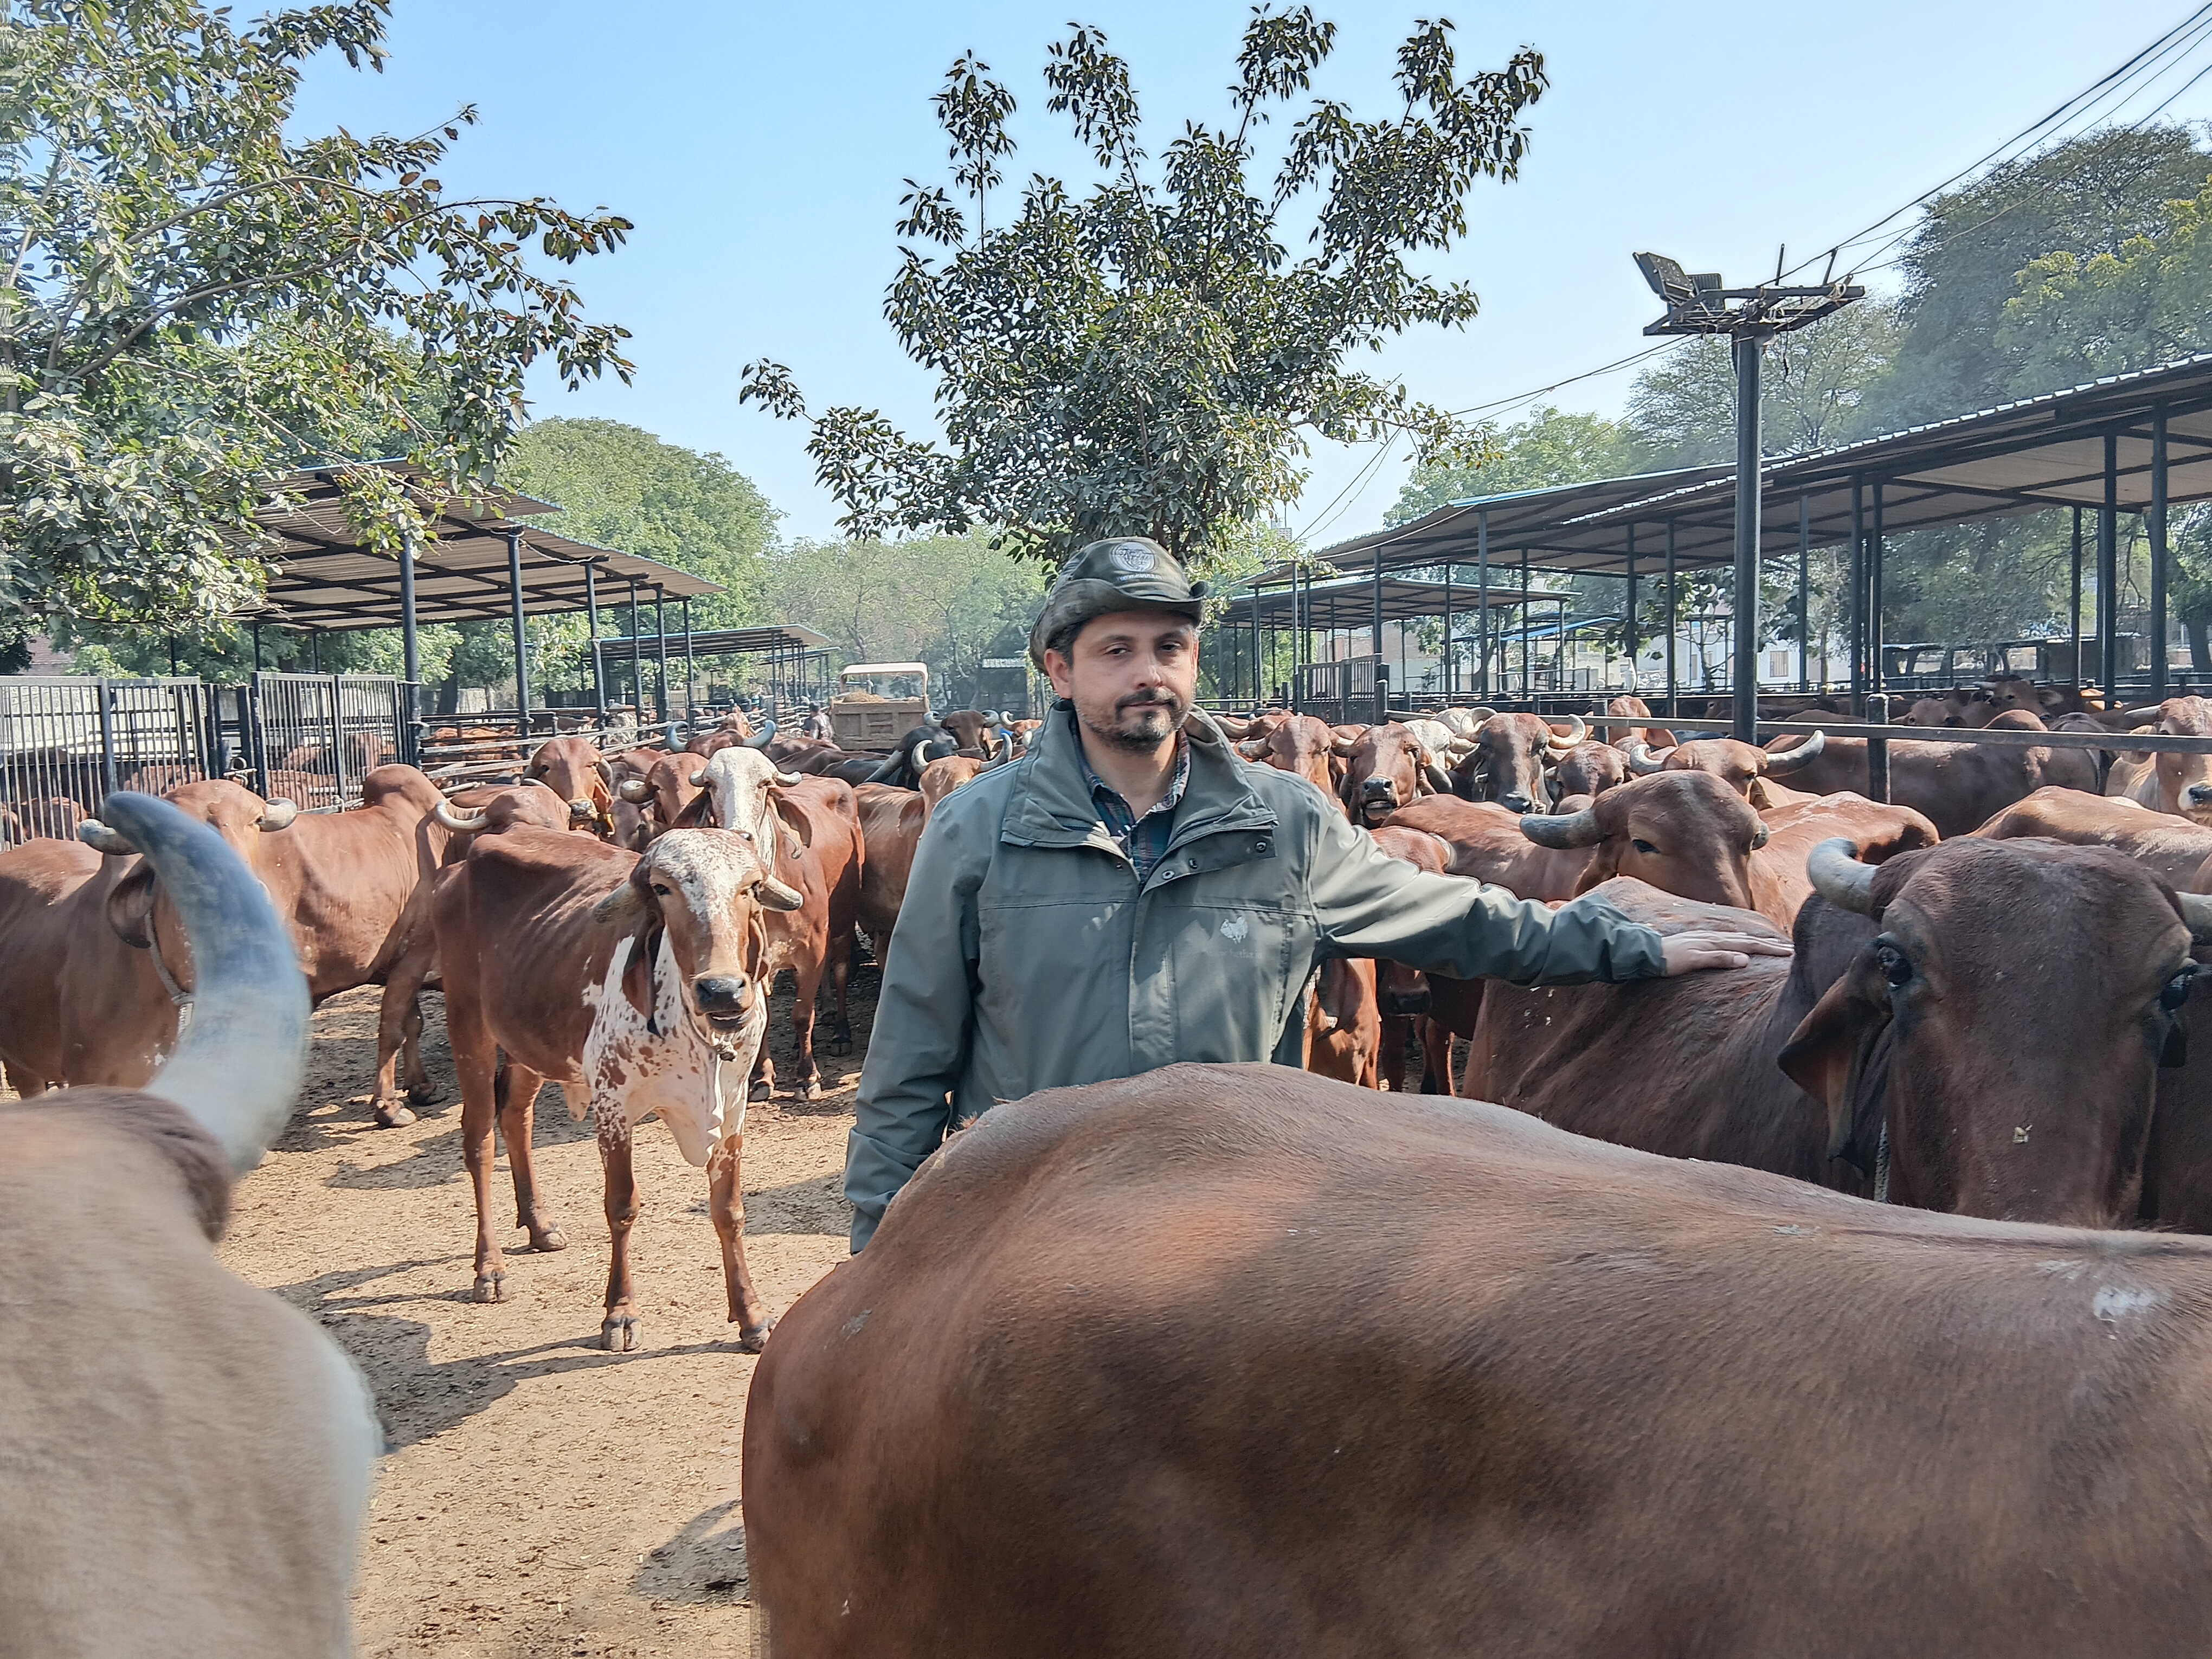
<point>760,150</point>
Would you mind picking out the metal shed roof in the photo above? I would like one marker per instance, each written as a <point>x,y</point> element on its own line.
<point>320,576</point>
<point>2042,452</point>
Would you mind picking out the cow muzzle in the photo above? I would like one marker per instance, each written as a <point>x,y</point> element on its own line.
<point>580,810</point>
<point>1414,999</point>
<point>723,999</point>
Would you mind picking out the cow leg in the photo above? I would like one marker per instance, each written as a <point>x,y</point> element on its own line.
<point>421,1090</point>
<point>1397,1031</point>
<point>726,1198</point>
<point>841,973</point>
<point>619,1331</point>
<point>517,1091</point>
<point>475,1061</point>
<point>399,1032</point>
<point>1436,1059</point>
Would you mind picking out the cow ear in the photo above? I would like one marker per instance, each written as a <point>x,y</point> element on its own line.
<point>633,898</point>
<point>637,972</point>
<point>130,907</point>
<point>1839,1054</point>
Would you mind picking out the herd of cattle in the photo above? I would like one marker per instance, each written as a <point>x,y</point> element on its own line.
<point>1986,1014</point>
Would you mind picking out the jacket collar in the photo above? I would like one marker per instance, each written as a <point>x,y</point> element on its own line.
<point>1052,805</point>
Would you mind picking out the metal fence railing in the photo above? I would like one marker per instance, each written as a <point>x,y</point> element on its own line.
<point>316,735</point>
<point>66,742</point>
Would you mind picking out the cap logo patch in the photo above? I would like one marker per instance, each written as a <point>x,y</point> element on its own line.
<point>1132,561</point>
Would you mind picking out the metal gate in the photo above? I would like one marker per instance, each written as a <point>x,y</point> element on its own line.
<point>66,742</point>
<point>316,735</point>
<point>1340,692</point>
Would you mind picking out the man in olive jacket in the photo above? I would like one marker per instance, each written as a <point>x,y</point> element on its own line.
<point>1132,893</point>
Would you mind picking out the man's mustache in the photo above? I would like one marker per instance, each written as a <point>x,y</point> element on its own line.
<point>1149,700</point>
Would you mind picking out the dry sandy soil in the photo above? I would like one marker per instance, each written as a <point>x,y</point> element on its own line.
<point>540,1497</point>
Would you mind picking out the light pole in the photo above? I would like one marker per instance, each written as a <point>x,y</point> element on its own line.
<point>1697,304</point>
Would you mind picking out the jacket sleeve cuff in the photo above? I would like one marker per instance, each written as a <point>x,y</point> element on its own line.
<point>875,1173</point>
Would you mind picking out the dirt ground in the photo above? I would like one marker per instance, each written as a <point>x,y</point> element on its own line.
<point>540,1497</point>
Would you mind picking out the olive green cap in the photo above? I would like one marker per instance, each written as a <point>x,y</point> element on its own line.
<point>1128,573</point>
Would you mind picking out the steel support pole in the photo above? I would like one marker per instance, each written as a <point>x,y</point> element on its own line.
<point>1671,693</point>
<point>2108,585</point>
<point>1258,656</point>
<point>1377,584</point>
<point>1745,622</point>
<point>1628,637</point>
<point>1857,640</point>
<point>1876,554</point>
<point>2157,557</point>
<point>1450,675</point>
<point>1527,679</point>
<point>690,664</point>
<point>410,655</point>
<point>2074,641</point>
<point>598,668</point>
<point>521,642</point>
<point>1482,627</point>
<point>661,652</point>
<point>1804,591</point>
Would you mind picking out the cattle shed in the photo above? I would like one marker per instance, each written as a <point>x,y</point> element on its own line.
<point>2137,443</point>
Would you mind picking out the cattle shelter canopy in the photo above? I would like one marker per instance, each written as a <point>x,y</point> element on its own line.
<point>321,576</point>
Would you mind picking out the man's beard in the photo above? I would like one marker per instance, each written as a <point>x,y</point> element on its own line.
<point>1141,722</point>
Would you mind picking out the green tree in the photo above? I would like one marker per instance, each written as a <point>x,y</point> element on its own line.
<point>1147,357</point>
<point>1543,448</point>
<point>191,302</point>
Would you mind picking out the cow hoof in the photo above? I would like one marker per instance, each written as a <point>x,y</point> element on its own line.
<point>618,1334</point>
<point>764,1091</point>
<point>425,1094</point>
<point>753,1338</point>
<point>545,1239</point>
<point>809,1089</point>
<point>392,1115</point>
<point>491,1287</point>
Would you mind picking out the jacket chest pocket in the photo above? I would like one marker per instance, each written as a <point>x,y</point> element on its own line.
<point>1214,980</point>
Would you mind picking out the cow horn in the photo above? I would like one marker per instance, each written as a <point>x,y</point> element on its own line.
<point>1760,835</point>
<point>1253,749</point>
<point>788,779</point>
<point>1562,832</point>
<point>762,738</point>
<point>606,772</point>
<point>1643,761</point>
<point>449,819</point>
<point>777,897</point>
<point>889,769</point>
<point>1342,747</point>
<point>101,839</point>
<point>1836,875</point>
<point>279,816</point>
<point>1439,780</point>
<point>699,779</point>
<point>1559,745</point>
<point>1794,760</point>
<point>635,791</point>
<point>236,1068</point>
<point>2196,911</point>
<point>1234,728</point>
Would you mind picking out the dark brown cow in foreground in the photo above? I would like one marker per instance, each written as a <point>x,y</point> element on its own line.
<point>808,834</point>
<point>1958,785</point>
<point>1509,758</point>
<point>636,981</point>
<point>1745,768</point>
<point>2002,1030</point>
<point>1232,1361</point>
<point>574,770</point>
<point>188,1457</point>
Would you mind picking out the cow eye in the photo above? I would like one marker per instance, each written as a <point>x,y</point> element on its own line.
<point>2176,991</point>
<point>1644,847</point>
<point>1895,967</point>
<point>661,889</point>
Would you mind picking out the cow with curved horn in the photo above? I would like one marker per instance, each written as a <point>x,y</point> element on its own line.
<point>1297,744</point>
<point>1387,769</point>
<point>353,886</point>
<point>807,831</point>
<point>1507,760</point>
<point>1745,768</point>
<point>1903,1016</point>
<point>239,1410</point>
<point>923,745</point>
<point>574,770</point>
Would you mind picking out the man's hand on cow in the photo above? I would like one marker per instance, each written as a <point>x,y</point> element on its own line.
<point>1688,953</point>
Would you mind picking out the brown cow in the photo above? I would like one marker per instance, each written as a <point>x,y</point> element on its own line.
<point>151,1384</point>
<point>1619,737</point>
<point>1779,885</point>
<point>574,770</point>
<point>664,796</point>
<point>1507,758</point>
<point>2179,784</point>
<point>1589,769</point>
<point>1959,785</point>
<point>1745,768</point>
<point>1403,993</point>
<point>808,834</point>
<point>941,777</point>
<point>1959,706</point>
<point>978,729</point>
<point>1344,1023</point>
<point>2173,850</point>
<point>352,885</point>
<point>1297,743</point>
<point>891,823</point>
<point>1232,1361</point>
<point>1998,1092</point>
<point>1385,769</point>
<point>630,980</point>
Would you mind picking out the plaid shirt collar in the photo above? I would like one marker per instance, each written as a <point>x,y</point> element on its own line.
<point>1143,837</point>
